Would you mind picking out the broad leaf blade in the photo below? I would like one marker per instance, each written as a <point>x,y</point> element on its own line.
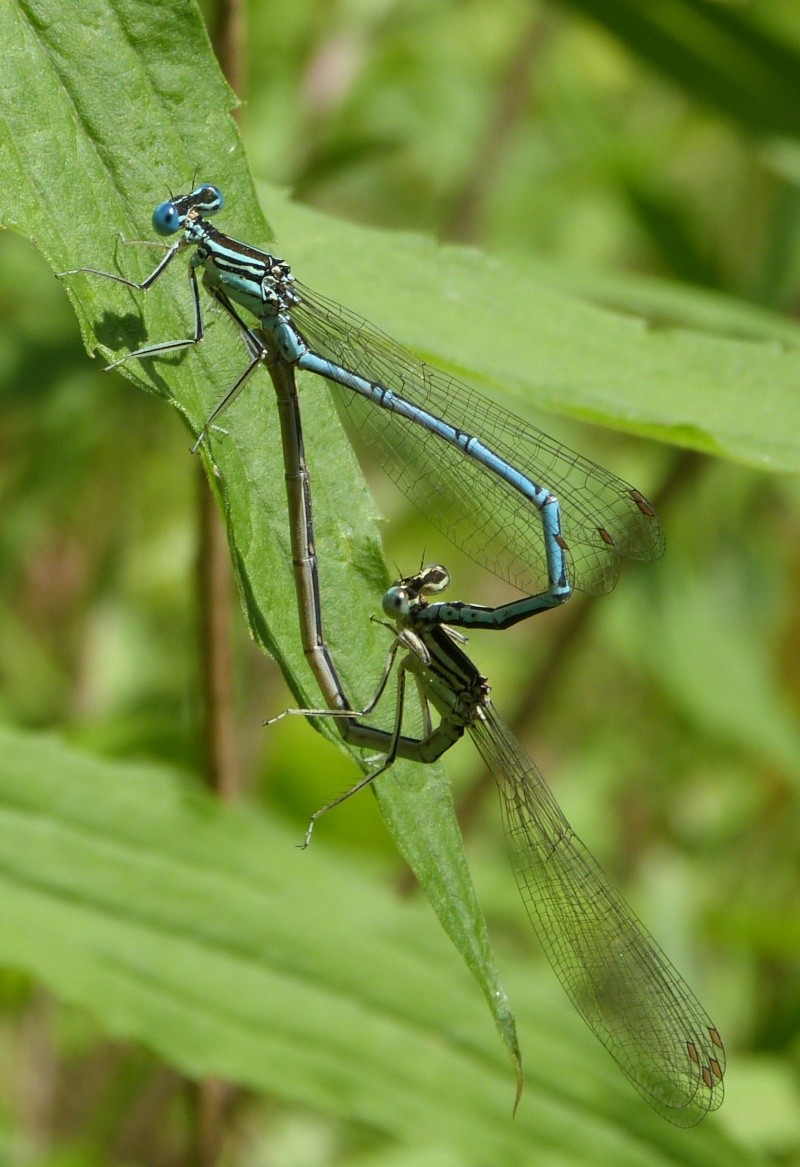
<point>203,932</point>
<point>101,114</point>
<point>662,371</point>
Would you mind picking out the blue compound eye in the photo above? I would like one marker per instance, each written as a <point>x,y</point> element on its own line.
<point>167,219</point>
<point>395,603</point>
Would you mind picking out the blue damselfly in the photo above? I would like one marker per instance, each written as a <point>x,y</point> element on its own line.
<point>522,504</point>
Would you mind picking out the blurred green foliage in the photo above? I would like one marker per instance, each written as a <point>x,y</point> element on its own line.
<point>641,157</point>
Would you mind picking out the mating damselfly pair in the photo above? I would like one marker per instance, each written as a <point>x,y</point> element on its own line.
<point>523,505</point>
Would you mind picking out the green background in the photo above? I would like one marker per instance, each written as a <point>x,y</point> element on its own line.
<point>590,211</point>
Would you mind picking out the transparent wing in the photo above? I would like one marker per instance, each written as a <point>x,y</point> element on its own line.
<point>616,976</point>
<point>604,519</point>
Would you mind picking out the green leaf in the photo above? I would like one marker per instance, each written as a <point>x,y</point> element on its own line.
<point>204,933</point>
<point>661,373</point>
<point>666,304</point>
<point>104,107</point>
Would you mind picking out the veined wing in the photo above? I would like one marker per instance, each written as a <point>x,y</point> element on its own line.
<point>604,519</point>
<point>617,977</point>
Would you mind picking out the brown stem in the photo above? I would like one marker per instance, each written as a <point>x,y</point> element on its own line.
<point>215,1098</point>
<point>214,1102</point>
<point>469,203</point>
<point>227,37</point>
<point>214,594</point>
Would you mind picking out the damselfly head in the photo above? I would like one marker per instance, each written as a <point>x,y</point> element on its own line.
<point>410,592</point>
<point>171,216</point>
